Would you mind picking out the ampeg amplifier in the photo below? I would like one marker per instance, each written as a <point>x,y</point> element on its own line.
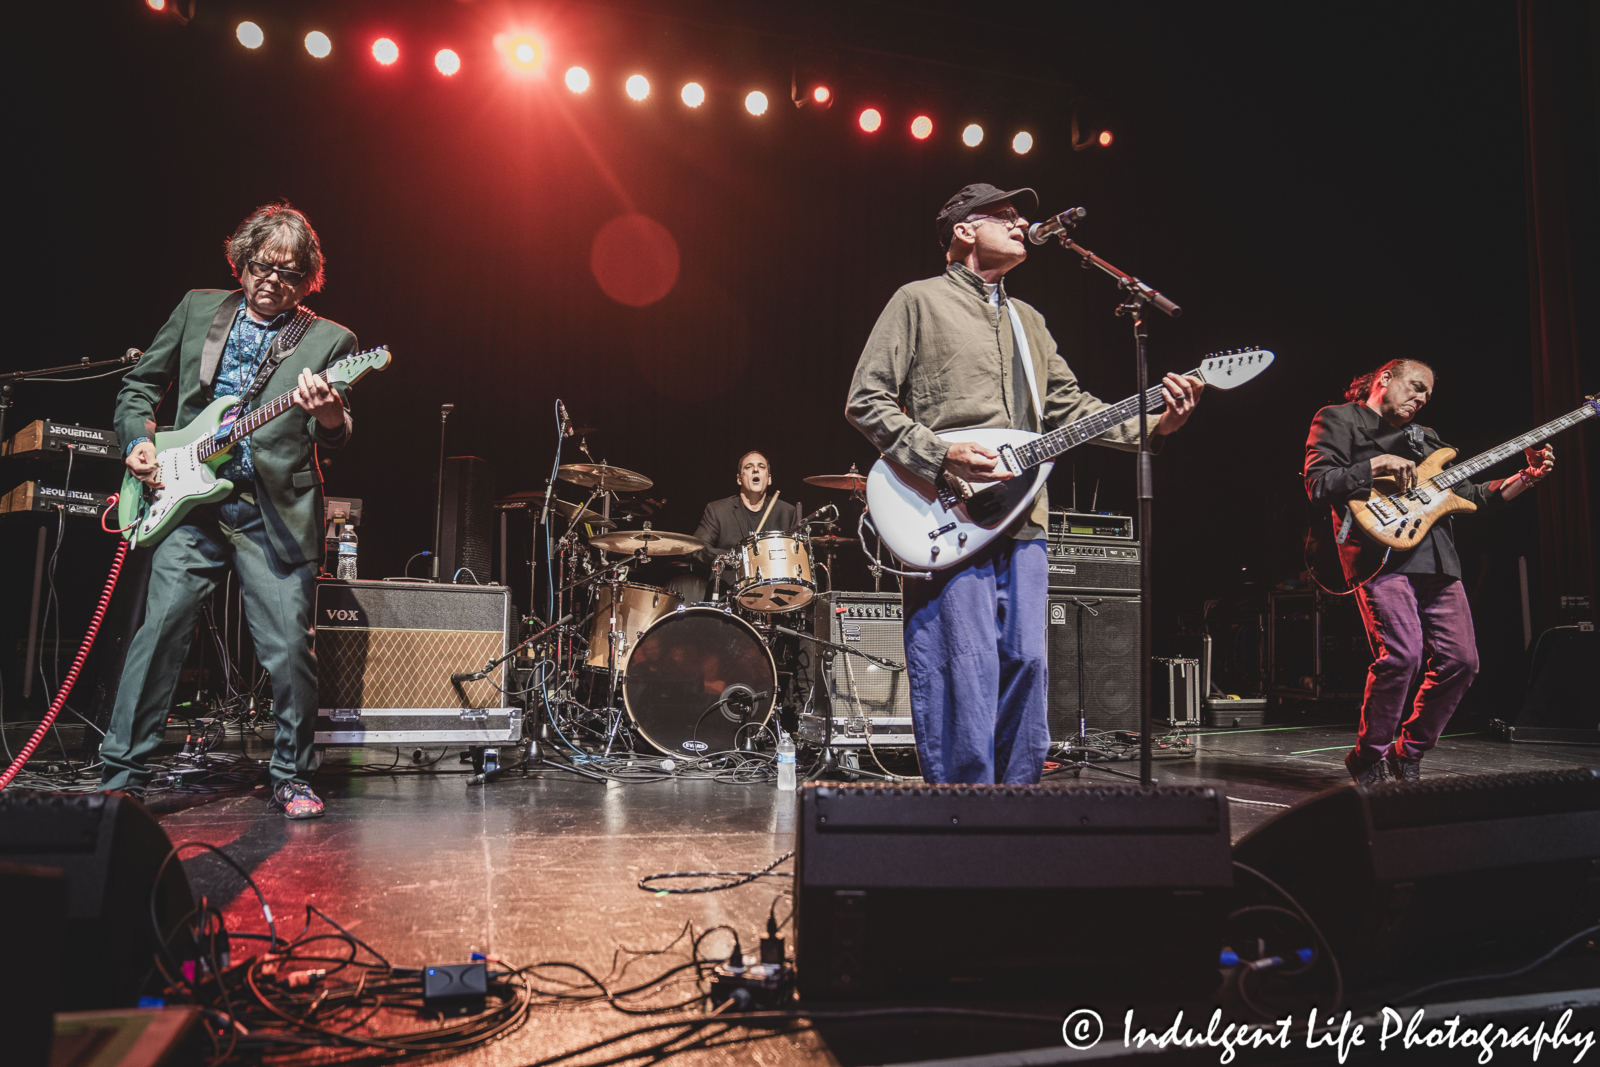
<point>1095,568</point>
<point>871,705</point>
<point>385,654</point>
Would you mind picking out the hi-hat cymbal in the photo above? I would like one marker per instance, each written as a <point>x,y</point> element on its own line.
<point>654,542</point>
<point>849,482</point>
<point>604,476</point>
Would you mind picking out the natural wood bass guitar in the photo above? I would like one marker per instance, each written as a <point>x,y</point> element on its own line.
<point>1400,519</point>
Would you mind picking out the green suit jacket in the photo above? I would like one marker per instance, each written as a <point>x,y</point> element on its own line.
<point>284,450</point>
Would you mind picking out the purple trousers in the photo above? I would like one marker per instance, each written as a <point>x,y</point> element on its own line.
<point>1415,622</point>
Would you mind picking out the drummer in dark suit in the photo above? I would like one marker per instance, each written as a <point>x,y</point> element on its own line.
<point>728,521</point>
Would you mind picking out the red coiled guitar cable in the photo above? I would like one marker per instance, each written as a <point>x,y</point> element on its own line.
<point>77,663</point>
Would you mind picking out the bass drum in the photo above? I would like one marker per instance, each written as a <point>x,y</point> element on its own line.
<point>695,679</point>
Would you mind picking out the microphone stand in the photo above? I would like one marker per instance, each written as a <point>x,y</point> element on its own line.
<point>829,759</point>
<point>438,503</point>
<point>1139,296</point>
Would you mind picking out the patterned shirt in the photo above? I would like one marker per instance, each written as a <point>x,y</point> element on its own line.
<point>248,344</point>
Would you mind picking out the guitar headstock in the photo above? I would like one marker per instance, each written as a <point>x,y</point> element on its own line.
<point>352,367</point>
<point>1224,370</point>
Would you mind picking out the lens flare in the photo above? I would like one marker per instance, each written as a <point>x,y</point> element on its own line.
<point>250,35</point>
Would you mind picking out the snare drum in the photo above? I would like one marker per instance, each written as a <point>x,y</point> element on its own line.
<point>774,573</point>
<point>679,672</point>
<point>640,606</point>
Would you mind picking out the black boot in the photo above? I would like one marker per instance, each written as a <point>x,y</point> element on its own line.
<point>1403,770</point>
<point>1365,774</point>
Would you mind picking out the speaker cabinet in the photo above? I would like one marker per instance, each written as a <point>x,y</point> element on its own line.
<point>871,705</point>
<point>110,849</point>
<point>385,654</point>
<point>1559,707</point>
<point>466,528</point>
<point>1110,664</point>
<point>1444,875</point>
<point>974,890</point>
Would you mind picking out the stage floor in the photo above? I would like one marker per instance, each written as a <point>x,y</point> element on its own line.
<point>543,867</point>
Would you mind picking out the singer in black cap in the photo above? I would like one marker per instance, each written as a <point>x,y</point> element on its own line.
<point>952,353</point>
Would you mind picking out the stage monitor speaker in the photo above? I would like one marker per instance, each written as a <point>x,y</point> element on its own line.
<point>1110,664</point>
<point>466,532</point>
<point>1439,876</point>
<point>1560,707</point>
<point>978,890</point>
<point>385,654</point>
<point>110,848</point>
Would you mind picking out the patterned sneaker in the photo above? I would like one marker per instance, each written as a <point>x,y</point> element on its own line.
<point>297,800</point>
<point>1370,774</point>
<point>1403,770</point>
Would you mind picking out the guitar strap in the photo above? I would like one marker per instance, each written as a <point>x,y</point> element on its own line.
<point>1027,361</point>
<point>283,345</point>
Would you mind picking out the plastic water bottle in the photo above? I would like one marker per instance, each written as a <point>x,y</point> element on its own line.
<point>347,552</point>
<point>786,767</point>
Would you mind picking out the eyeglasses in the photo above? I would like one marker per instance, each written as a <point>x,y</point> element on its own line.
<point>1008,216</point>
<point>288,277</point>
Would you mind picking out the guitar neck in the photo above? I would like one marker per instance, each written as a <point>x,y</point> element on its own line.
<point>251,421</point>
<point>1049,446</point>
<point>1462,471</point>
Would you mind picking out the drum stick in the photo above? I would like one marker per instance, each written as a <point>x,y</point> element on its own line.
<point>762,524</point>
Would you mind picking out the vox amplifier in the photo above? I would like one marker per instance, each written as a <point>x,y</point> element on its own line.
<point>385,654</point>
<point>871,705</point>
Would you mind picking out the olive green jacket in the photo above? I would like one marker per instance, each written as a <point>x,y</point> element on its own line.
<point>940,358</point>
<point>284,450</point>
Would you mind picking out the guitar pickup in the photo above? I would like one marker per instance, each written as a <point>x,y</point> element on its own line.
<point>1399,505</point>
<point>1422,495</point>
<point>1385,516</point>
<point>1008,456</point>
<point>933,535</point>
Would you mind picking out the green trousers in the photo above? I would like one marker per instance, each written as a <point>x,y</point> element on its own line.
<point>184,569</point>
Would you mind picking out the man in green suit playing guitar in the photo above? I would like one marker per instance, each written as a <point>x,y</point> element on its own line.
<point>257,341</point>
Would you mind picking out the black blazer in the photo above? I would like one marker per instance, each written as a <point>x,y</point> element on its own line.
<point>1344,440</point>
<point>721,527</point>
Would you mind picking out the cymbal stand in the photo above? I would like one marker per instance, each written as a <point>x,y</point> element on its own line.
<point>1082,747</point>
<point>830,758</point>
<point>613,635</point>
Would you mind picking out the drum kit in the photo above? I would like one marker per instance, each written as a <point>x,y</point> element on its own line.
<point>688,667</point>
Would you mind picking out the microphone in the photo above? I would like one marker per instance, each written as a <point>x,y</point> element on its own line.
<point>1040,232</point>
<point>566,421</point>
<point>132,355</point>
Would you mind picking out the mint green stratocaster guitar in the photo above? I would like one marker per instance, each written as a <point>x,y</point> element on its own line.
<point>188,458</point>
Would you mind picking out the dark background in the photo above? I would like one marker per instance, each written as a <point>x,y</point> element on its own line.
<point>1341,183</point>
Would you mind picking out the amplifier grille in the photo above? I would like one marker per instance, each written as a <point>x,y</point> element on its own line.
<point>872,623</point>
<point>402,668</point>
<point>1110,664</point>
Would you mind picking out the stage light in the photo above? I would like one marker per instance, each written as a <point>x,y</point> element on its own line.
<point>1022,142</point>
<point>385,51</point>
<point>822,96</point>
<point>694,94</point>
<point>972,136</point>
<point>756,103</point>
<point>577,79</point>
<point>921,127</point>
<point>156,5</point>
<point>870,120</point>
<point>638,86</point>
<point>250,35</point>
<point>318,45</point>
<point>446,61</point>
<point>1105,138</point>
<point>523,51</point>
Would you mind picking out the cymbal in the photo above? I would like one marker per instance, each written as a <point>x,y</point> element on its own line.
<point>849,482</point>
<point>604,476</point>
<point>832,539</point>
<point>654,542</point>
<point>575,514</point>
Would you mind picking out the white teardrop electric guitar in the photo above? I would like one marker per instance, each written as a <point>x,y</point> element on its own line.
<point>939,526</point>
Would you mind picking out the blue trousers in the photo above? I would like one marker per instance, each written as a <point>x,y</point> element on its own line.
<point>184,568</point>
<point>975,652</point>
